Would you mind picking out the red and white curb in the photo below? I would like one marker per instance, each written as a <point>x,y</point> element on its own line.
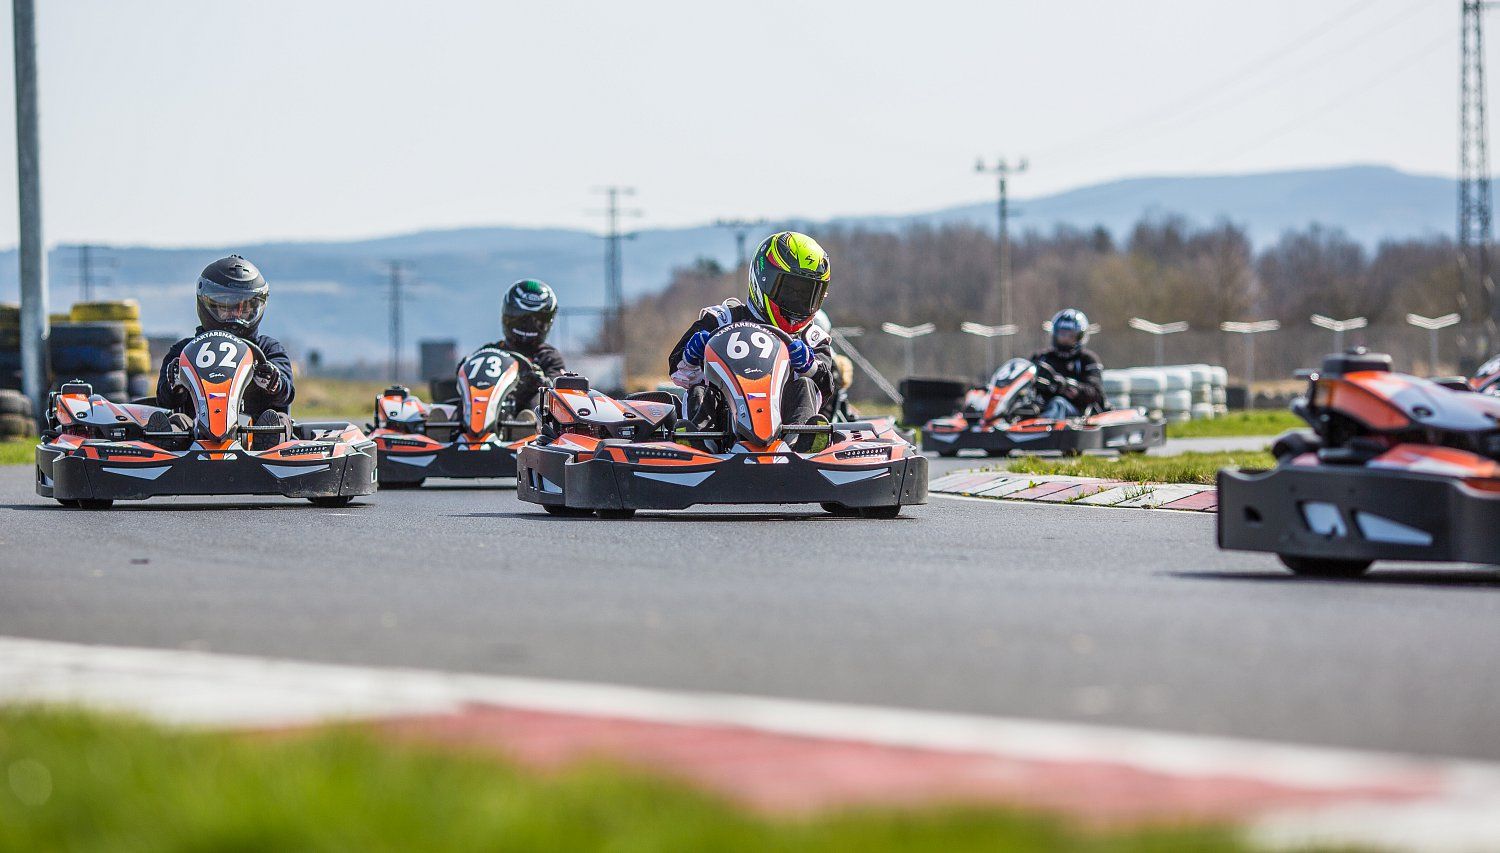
<point>792,755</point>
<point>1089,491</point>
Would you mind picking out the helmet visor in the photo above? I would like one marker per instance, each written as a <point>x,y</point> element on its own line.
<point>526,327</point>
<point>1066,335</point>
<point>232,304</point>
<point>796,296</point>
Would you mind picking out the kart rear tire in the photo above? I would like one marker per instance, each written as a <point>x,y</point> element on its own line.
<point>1319,567</point>
<point>947,454</point>
<point>880,511</point>
<point>840,510</point>
<point>997,453</point>
<point>332,501</point>
<point>1135,451</point>
<point>615,514</point>
<point>1071,453</point>
<point>69,503</point>
<point>93,503</point>
<point>566,511</point>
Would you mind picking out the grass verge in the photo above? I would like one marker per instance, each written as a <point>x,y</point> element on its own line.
<point>339,399</point>
<point>1183,468</point>
<point>17,451</point>
<point>1251,422</point>
<point>74,781</point>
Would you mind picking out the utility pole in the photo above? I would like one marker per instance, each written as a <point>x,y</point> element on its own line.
<point>1002,170</point>
<point>741,229</point>
<point>397,271</point>
<point>1159,331</point>
<point>88,262</point>
<point>34,330</point>
<point>1477,287</point>
<point>614,291</point>
<point>1249,330</point>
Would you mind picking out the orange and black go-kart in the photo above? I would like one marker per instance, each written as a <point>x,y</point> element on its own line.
<point>1004,417</point>
<point>613,457</point>
<point>1394,468</point>
<point>1486,380</point>
<point>475,435</point>
<point>95,452</point>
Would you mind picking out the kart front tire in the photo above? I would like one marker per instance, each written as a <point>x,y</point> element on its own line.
<point>1318,567</point>
<point>566,511</point>
<point>880,511</point>
<point>947,453</point>
<point>997,453</point>
<point>840,510</point>
<point>616,514</point>
<point>332,501</point>
<point>70,503</point>
<point>93,503</point>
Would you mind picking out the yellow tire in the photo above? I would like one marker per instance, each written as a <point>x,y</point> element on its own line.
<point>125,309</point>
<point>137,362</point>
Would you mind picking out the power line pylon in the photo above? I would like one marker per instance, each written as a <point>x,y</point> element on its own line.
<point>614,290</point>
<point>741,229</point>
<point>1002,170</point>
<point>1477,288</point>
<point>397,271</point>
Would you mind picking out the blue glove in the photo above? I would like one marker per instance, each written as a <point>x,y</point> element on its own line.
<point>802,355</point>
<point>692,351</point>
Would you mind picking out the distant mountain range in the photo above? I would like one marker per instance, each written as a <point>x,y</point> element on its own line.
<point>332,295</point>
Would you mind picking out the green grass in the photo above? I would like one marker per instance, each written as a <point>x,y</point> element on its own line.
<point>72,781</point>
<point>340,399</point>
<point>17,451</point>
<point>1182,468</point>
<point>1251,422</point>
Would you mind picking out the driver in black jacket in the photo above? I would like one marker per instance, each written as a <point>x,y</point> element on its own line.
<point>526,314</point>
<point>232,298</point>
<point>1079,371</point>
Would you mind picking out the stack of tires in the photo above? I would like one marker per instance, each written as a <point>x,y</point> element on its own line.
<point>16,420</point>
<point>90,352</point>
<point>10,346</point>
<point>1117,389</point>
<point>1177,399</point>
<point>139,372</point>
<point>1203,391</point>
<point>1146,389</point>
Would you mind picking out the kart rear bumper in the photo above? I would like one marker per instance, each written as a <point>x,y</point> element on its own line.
<point>1125,437</point>
<point>1355,512</point>
<point>68,475</point>
<point>450,460</point>
<point>550,476</point>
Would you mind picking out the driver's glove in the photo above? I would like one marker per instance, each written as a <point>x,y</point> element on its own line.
<point>174,373</point>
<point>692,351</point>
<point>1070,389</point>
<point>267,378</point>
<point>802,355</point>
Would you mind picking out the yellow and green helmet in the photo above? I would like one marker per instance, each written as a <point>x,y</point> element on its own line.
<point>788,280</point>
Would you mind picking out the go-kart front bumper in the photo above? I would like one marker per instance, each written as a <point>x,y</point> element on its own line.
<point>1123,437</point>
<point>1354,512</point>
<point>66,474</point>
<point>551,476</point>
<point>455,459</point>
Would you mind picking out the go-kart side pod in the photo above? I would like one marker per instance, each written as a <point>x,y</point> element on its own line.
<point>1124,431</point>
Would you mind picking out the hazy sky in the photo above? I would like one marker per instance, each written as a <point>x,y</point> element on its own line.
<point>188,121</point>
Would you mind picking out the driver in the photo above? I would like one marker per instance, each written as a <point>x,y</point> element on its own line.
<point>1079,368</point>
<point>788,279</point>
<point>232,298</point>
<point>526,315</point>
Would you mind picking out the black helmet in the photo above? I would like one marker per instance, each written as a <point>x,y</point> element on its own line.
<point>527,314</point>
<point>1070,330</point>
<point>232,296</point>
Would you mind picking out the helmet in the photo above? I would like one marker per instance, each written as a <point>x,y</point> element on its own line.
<point>232,296</point>
<point>788,280</point>
<point>1070,330</point>
<point>527,313</point>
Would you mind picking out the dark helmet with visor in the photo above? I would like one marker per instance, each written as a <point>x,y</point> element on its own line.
<point>1070,330</point>
<point>527,313</point>
<point>232,296</point>
<point>789,277</point>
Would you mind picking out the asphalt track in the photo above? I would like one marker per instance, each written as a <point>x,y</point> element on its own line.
<point>1126,617</point>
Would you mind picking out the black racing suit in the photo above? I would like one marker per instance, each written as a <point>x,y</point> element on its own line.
<point>803,395</point>
<point>546,357</point>
<point>1083,367</point>
<point>256,401</point>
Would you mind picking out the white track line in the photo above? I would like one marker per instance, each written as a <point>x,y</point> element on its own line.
<point>202,688</point>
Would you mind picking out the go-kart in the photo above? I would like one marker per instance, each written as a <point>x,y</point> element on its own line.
<point>474,435</point>
<point>95,452</point>
<point>1005,416</point>
<point>1486,380</point>
<point>613,457</point>
<point>1394,468</point>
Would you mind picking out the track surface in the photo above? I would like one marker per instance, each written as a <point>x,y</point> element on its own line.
<point>1054,612</point>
